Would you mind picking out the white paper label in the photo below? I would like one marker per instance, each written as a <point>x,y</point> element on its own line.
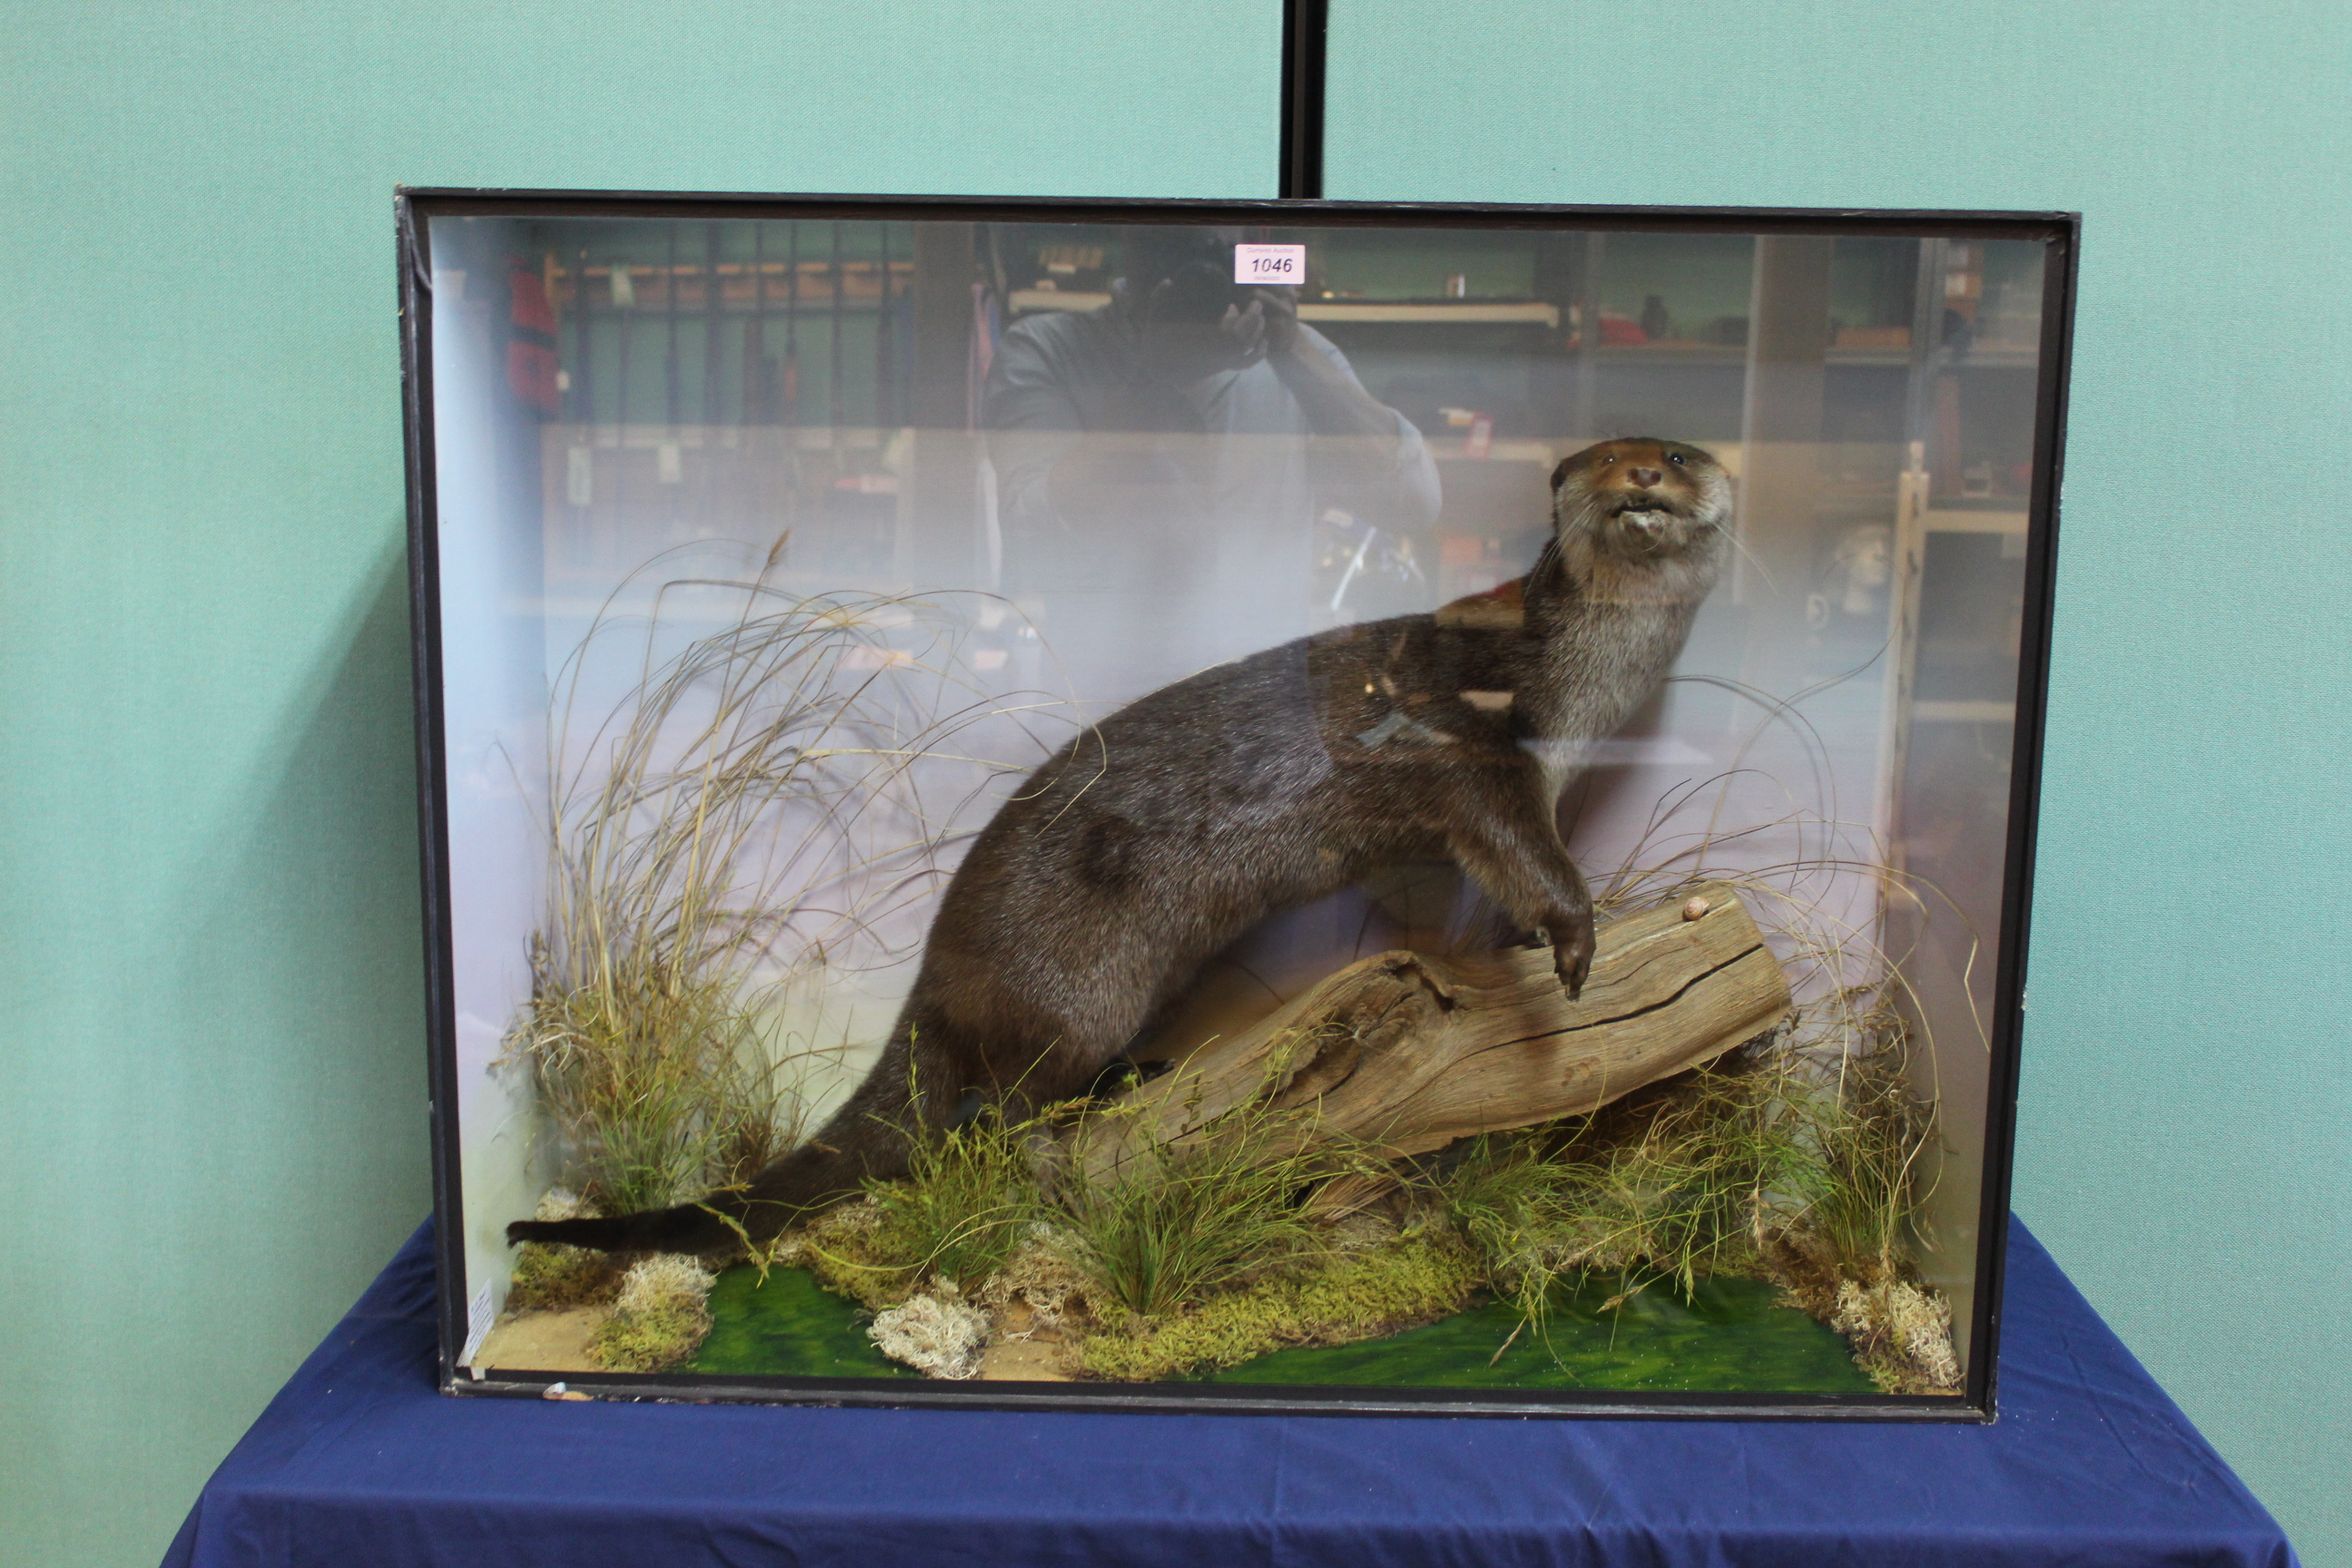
<point>478,1325</point>
<point>1270,264</point>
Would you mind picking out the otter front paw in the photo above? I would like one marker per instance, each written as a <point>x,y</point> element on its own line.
<point>1571,951</point>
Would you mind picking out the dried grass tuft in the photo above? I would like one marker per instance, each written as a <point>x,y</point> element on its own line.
<point>966,1199</point>
<point>1174,1222</point>
<point>742,821</point>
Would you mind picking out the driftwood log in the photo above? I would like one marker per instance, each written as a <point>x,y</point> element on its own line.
<point>1403,1053</point>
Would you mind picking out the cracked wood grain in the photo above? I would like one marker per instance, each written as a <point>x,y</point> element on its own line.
<point>1406,1052</point>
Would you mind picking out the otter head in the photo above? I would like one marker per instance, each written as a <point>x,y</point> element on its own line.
<point>1641,500</point>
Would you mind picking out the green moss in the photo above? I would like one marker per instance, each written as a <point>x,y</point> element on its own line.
<point>549,1277</point>
<point>853,1252</point>
<point>653,1340</point>
<point>1348,1297</point>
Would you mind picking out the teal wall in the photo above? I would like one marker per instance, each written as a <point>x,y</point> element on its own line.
<point>214,1129</point>
<point>2184,1137</point>
<point>213,1132</point>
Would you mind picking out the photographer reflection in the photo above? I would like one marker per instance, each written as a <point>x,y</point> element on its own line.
<point>1161,461</point>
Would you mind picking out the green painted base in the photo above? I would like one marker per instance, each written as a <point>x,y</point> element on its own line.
<point>788,1326</point>
<point>1731,1337</point>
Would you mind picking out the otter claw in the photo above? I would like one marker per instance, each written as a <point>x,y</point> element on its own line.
<point>1572,955</point>
<point>1572,962</point>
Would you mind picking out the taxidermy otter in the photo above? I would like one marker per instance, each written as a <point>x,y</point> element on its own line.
<point>1161,835</point>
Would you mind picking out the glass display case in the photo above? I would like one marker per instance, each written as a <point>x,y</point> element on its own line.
<point>1228,805</point>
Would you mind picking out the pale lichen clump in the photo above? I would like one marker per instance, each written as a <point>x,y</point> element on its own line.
<point>1044,1282</point>
<point>1350,1295</point>
<point>939,1335</point>
<point>659,1318</point>
<point>1901,1336</point>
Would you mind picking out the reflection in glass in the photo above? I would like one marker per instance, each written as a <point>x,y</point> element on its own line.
<point>1047,469</point>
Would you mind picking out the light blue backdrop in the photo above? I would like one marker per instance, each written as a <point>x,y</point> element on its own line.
<point>214,1129</point>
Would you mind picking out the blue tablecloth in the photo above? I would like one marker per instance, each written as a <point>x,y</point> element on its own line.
<point>360,1463</point>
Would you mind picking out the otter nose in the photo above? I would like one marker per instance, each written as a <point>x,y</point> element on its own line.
<point>1645,478</point>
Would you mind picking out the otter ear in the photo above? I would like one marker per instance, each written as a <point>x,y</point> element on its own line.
<point>1560,473</point>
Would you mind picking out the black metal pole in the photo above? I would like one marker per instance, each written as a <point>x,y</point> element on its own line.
<point>836,403</point>
<point>789,380</point>
<point>1306,31</point>
<point>669,346</point>
<point>755,337</point>
<point>884,348</point>
<point>714,323</point>
<point>583,385</point>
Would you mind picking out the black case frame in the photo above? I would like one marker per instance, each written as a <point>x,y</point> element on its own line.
<point>2060,235</point>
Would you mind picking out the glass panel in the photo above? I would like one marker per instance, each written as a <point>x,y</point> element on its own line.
<point>804,588</point>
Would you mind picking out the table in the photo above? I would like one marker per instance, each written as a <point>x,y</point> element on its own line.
<point>360,1463</point>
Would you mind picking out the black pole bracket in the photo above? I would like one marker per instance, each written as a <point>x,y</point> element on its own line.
<point>1305,35</point>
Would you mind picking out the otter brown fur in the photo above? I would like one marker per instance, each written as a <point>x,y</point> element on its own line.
<point>1162,833</point>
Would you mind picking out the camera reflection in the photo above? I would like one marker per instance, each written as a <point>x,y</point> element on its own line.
<point>1161,461</point>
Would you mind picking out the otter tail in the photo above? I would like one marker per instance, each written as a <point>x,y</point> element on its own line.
<point>688,1228</point>
<point>866,1138</point>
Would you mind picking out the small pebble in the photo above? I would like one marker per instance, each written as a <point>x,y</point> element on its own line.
<point>1695,908</point>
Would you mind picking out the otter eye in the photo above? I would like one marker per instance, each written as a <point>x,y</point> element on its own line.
<point>1676,459</point>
